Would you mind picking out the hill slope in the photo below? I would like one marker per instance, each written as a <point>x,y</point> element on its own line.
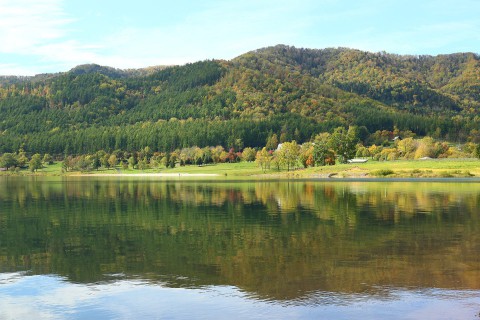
<point>292,92</point>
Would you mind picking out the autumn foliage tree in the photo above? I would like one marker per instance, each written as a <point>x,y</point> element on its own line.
<point>288,154</point>
<point>263,159</point>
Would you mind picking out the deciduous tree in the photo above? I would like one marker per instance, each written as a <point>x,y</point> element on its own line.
<point>321,148</point>
<point>47,159</point>
<point>35,162</point>
<point>8,160</point>
<point>248,154</point>
<point>263,159</point>
<point>343,142</point>
<point>288,154</point>
<point>112,160</point>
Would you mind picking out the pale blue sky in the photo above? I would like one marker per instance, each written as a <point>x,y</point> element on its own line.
<point>39,36</point>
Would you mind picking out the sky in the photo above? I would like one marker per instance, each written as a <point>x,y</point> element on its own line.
<point>44,36</point>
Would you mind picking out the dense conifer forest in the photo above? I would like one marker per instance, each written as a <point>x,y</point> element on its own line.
<point>291,93</point>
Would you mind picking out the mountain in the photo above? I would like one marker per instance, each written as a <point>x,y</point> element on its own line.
<point>294,93</point>
<point>113,72</point>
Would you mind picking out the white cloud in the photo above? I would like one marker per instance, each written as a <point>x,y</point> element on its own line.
<point>69,51</point>
<point>25,24</point>
<point>42,36</point>
<point>27,28</point>
<point>42,297</point>
<point>35,33</point>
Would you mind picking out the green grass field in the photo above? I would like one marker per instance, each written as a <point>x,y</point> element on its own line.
<point>434,168</point>
<point>406,168</point>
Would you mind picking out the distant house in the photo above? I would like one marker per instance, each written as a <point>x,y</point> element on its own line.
<point>397,138</point>
<point>357,160</point>
<point>3,169</point>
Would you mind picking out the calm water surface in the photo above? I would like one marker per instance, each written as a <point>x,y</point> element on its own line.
<point>83,248</point>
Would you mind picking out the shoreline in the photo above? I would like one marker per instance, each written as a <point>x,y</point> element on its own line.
<point>205,177</point>
<point>153,174</point>
<point>444,169</point>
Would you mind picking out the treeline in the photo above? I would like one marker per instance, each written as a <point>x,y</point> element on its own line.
<point>164,135</point>
<point>168,135</point>
<point>343,145</point>
<point>323,149</point>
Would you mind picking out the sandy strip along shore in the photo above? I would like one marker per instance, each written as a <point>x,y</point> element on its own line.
<point>150,175</point>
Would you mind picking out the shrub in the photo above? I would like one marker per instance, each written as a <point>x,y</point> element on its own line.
<point>382,172</point>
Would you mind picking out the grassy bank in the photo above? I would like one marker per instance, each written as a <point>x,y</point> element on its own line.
<point>434,168</point>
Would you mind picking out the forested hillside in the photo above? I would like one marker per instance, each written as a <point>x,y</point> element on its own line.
<point>293,93</point>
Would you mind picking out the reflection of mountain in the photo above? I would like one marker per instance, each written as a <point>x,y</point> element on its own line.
<point>276,240</point>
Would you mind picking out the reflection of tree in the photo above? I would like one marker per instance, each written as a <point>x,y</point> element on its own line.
<point>276,239</point>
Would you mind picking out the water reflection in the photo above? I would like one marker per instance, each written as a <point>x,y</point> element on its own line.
<point>49,297</point>
<point>275,241</point>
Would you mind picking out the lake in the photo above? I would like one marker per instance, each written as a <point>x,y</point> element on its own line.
<point>138,248</point>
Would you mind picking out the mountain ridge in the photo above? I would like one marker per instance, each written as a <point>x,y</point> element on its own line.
<point>292,92</point>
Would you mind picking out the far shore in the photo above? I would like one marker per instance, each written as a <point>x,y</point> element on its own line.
<point>151,174</point>
<point>430,168</point>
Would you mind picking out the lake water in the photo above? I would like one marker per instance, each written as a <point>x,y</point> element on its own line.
<point>130,248</point>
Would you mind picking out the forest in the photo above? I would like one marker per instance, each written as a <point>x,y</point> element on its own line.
<point>292,93</point>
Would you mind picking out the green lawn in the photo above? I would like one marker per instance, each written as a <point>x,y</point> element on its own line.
<point>402,168</point>
<point>406,168</point>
